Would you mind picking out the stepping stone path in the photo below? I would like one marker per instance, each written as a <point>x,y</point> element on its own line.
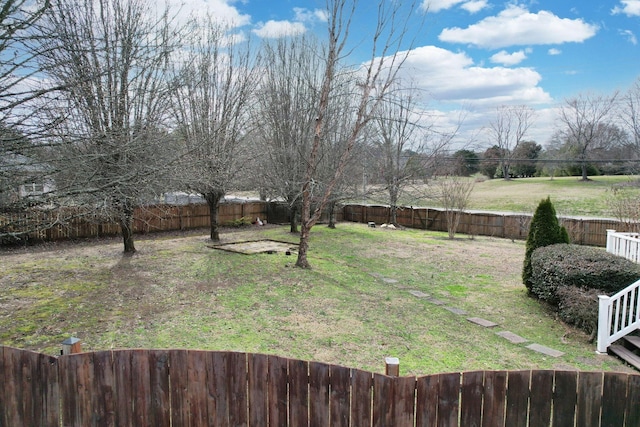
<point>509,336</point>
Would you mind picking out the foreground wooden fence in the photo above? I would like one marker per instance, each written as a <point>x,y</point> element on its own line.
<point>208,388</point>
<point>583,231</point>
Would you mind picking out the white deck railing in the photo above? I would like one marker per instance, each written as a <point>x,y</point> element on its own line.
<point>626,245</point>
<point>618,315</point>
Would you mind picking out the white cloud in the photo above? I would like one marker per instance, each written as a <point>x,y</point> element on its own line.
<point>453,77</point>
<point>471,6</point>
<point>306,15</point>
<point>221,10</point>
<point>275,29</point>
<point>628,7</point>
<point>517,26</point>
<point>554,51</point>
<point>438,5</point>
<point>505,58</point>
<point>474,6</point>
<point>630,36</point>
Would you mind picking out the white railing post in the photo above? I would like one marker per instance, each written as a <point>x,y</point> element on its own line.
<point>610,248</point>
<point>604,324</point>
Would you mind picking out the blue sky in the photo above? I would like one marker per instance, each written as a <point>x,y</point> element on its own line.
<point>475,55</point>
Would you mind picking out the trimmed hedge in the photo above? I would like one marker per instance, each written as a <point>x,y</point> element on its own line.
<point>570,278</point>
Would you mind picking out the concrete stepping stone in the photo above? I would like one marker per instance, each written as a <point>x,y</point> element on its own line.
<point>456,310</point>
<point>435,301</point>
<point>418,294</point>
<point>482,322</point>
<point>387,280</point>
<point>510,336</point>
<point>545,350</point>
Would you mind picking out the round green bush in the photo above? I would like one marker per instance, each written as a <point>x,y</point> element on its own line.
<point>584,267</point>
<point>570,278</point>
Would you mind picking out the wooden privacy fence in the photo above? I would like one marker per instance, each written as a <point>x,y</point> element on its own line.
<point>66,223</point>
<point>209,388</point>
<point>583,231</point>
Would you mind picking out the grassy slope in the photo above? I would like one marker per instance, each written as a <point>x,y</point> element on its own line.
<point>354,308</point>
<point>570,196</point>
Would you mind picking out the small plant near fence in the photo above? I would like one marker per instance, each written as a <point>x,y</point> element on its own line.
<point>239,222</point>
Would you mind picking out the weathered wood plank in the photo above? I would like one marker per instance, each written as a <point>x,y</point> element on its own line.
<point>198,391</point>
<point>564,399</point>
<point>218,388</point>
<point>278,397</point>
<point>382,400</point>
<point>77,386</point>
<point>104,389</point>
<point>404,390</point>
<point>495,398</point>
<point>239,398</point>
<point>340,395</point>
<point>121,363</point>
<point>589,398</point>
<point>448,399</point>
<point>258,367</point>
<point>319,394</point>
<point>48,384</point>
<point>362,394</point>
<point>298,393</point>
<point>541,398</point>
<point>614,397</point>
<point>471,399</point>
<point>632,410</point>
<point>427,400</point>
<point>178,372</point>
<point>517,398</point>
<point>159,412</point>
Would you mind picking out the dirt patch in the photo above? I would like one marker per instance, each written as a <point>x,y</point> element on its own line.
<point>259,247</point>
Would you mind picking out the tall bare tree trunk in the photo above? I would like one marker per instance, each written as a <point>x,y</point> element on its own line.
<point>213,200</point>
<point>126,227</point>
<point>293,221</point>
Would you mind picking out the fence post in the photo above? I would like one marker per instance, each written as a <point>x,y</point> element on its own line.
<point>604,327</point>
<point>71,345</point>
<point>392,366</point>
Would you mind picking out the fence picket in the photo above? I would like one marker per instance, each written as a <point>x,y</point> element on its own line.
<point>517,398</point>
<point>564,398</point>
<point>299,392</point>
<point>495,393</point>
<point>540,399</point>
<point>614,399</point>
<point>427,400</point>
<point>588,402</point>
<point>448,399</point>
<point>361,401</point>
<point>471,405</point>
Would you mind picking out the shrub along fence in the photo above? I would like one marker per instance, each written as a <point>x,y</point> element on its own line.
<point>202,388</point>
<point>584,231</point>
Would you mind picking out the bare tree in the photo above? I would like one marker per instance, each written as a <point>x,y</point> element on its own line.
<point>630,114</point>
<point>395,132</point>
<point>453,193</point>
<point>212,93</point>
<point>584,120</point>
<point>19,163</point>
<point>375,79</point>
<point>508,131</point>
<point>285,117</point>
<point>109,59</point>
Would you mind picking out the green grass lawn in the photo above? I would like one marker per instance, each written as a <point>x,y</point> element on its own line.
<point>353,308</point>
<point>570,195</point>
